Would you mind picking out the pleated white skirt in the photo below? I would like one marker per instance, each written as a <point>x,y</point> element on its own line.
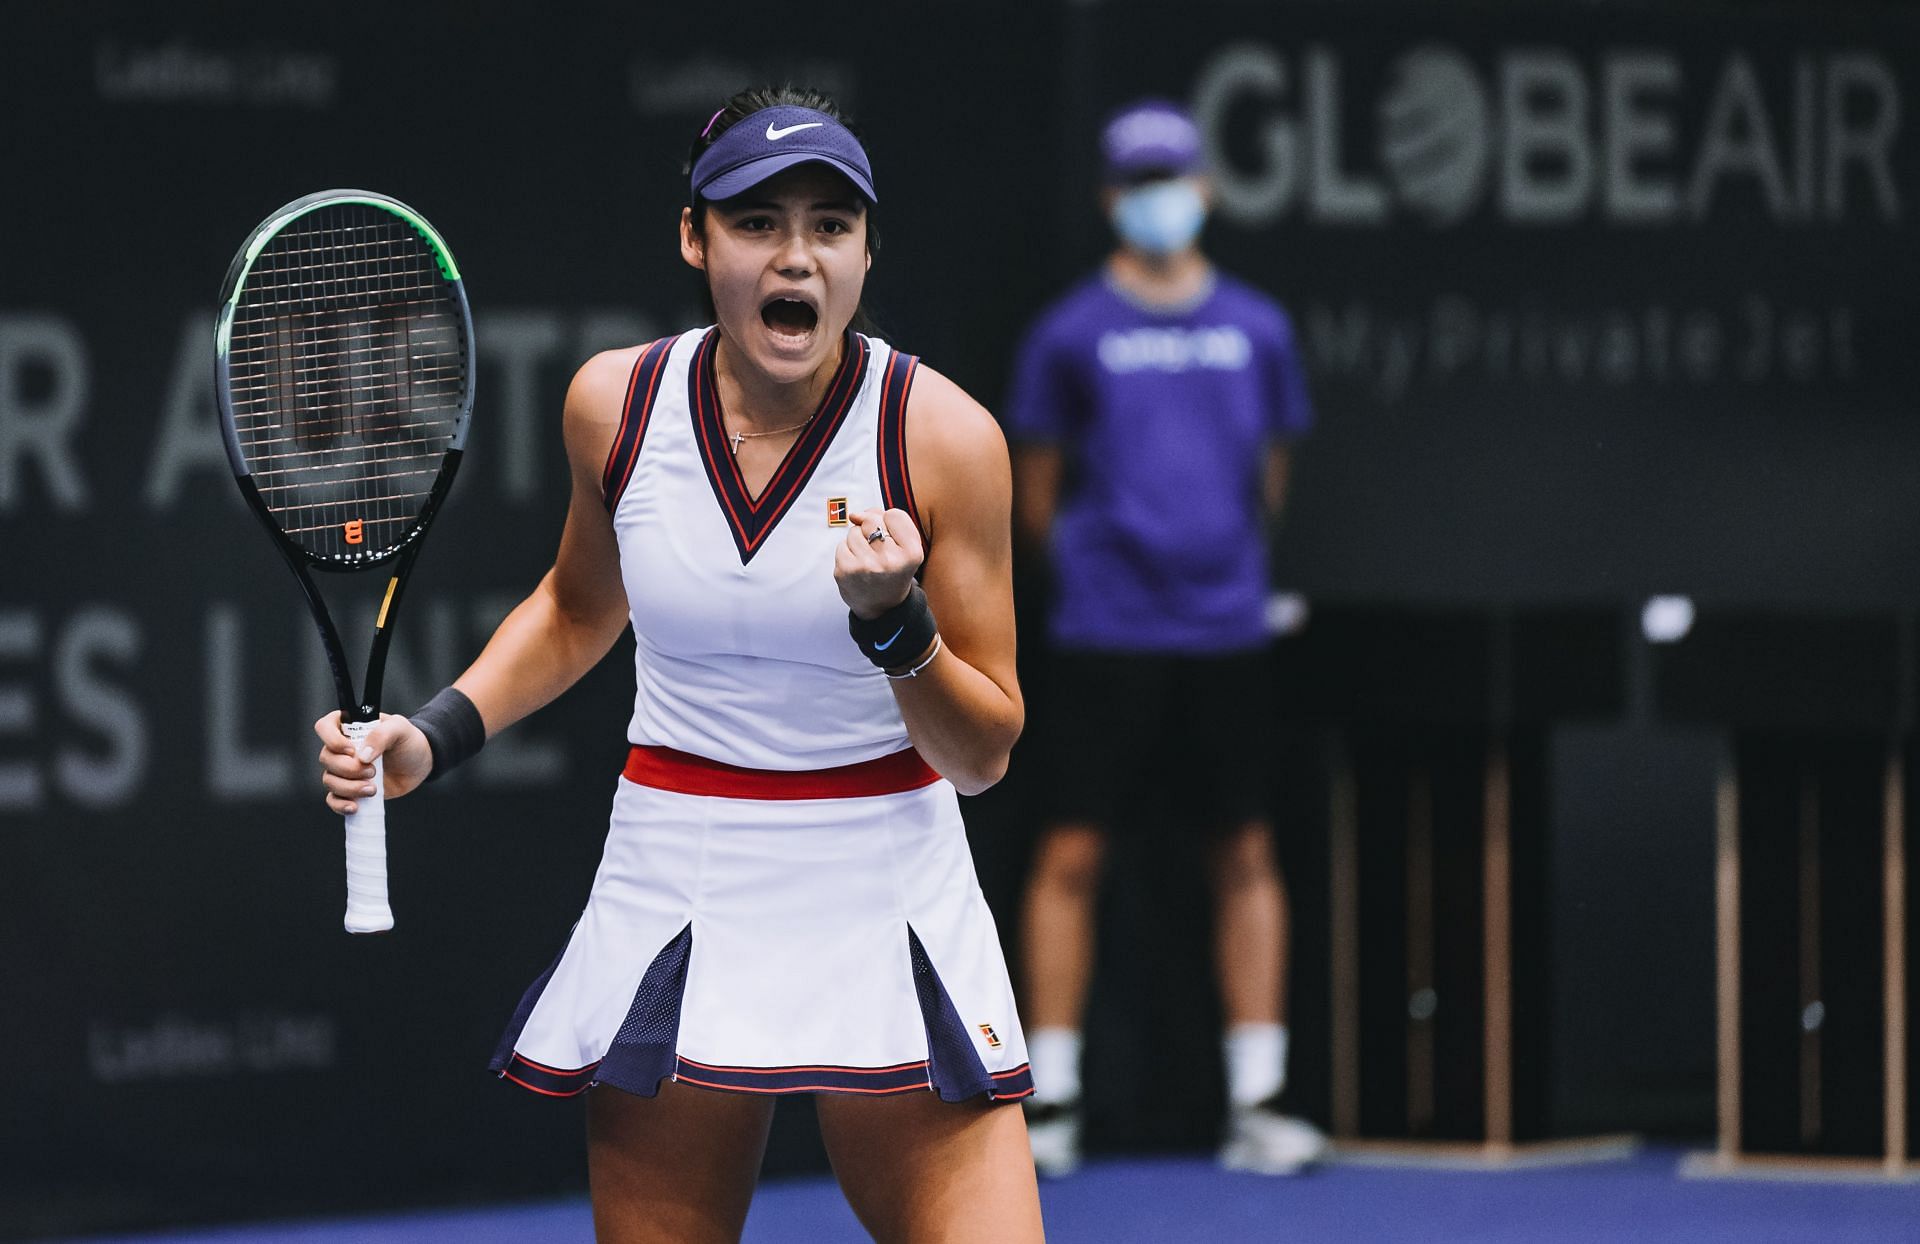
<point>777,946</point>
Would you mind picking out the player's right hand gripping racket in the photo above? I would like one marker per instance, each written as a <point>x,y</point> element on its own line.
<point>344,373</point>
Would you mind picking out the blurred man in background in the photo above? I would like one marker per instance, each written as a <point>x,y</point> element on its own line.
<point>1151,411</point>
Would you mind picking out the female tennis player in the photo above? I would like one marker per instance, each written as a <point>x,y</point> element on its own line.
<point>810,534</point>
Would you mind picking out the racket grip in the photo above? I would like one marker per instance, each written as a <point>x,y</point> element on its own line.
<point>367,910</point>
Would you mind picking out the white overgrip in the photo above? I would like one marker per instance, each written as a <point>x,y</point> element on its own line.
<point>367,910</point>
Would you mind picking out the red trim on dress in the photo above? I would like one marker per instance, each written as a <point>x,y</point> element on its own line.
<point>646,413</point>
<point>664,768</point>
<point>554,1071</point>
<point>896,483</point>
<point>534,1088</point>
<point>900,451</point>
<point>806,1088</point>
<point>781,1071</point>
<point>752,519</point>
<point>624,452</point>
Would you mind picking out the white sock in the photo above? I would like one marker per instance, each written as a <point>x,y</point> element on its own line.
<point>1256,1057</point>
<point>1055,1055</point>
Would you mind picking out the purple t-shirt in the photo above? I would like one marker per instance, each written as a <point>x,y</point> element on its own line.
<point>1165,416</point>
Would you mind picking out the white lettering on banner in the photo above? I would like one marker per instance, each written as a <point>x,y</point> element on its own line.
<point>1805,114</point>
<point>521,415</point>
<point>1332,193</point>
<point>41,427</point>
<point>1237,71</point>
<point>169,1048</point>
<point>179,72</point>
<point>73,729</point>
<point>1546,163</point>
<point>1865,76</point>
<point>1223,348</point>
<point>517,343</point>
<point>685,85</point>
<point>235,770</point>
<point>1738,141</point>
<point>1435,134</point>
<point>87,777</point>
<point>174,1047</point>
<point>109,779</point>
<point>522,422</point>
<point>1566,150</point>
<point>20,785</point>
<point>1757,341</point>
<point>68,728</point>
<point>190,437</point>
<point>1638,132</point>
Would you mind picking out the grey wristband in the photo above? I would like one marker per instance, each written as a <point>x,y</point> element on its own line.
<point>453,728</point>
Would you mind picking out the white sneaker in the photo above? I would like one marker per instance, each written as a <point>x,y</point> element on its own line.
<point>1265,1142</point>
<point>1053,1129</point>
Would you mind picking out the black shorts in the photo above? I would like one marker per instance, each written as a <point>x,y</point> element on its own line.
<point>1120,731</point>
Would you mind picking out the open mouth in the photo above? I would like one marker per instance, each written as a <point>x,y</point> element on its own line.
<point>789,317</point>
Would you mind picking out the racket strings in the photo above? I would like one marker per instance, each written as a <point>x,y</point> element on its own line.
<point>348,376</point>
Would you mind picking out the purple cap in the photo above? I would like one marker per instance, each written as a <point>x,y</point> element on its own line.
<point>772,140</point>
<point>1151,136</point>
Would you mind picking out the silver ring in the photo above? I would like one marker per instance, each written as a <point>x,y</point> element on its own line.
<point>880,534</point>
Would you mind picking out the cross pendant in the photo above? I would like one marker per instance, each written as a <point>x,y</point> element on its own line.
<point>737,438</point>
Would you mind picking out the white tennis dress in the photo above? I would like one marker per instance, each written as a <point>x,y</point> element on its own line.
<point>786,902</point>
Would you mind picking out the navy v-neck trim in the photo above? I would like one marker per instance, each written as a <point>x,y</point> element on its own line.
<point>751,519</point>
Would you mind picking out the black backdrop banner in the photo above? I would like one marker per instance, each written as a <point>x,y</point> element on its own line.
<point>1597,303</point>
<point>1601,302</point>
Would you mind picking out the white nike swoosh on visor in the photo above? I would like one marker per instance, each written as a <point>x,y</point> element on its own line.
<point>774,135</point>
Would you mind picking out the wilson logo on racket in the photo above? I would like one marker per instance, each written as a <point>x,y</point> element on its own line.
<point>836,512</point>
<point>355,530</point>
<point>993,1038</point>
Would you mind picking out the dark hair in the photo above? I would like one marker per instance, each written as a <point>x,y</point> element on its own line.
<point>743,104</point>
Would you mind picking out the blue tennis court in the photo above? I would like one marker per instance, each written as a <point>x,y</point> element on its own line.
<point>1643,1199</point>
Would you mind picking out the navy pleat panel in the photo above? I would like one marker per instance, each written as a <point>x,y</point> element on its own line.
<point>957,1072</point>
<point>644,1050</point>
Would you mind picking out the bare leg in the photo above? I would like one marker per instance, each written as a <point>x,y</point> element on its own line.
<point>1250,926</point>
<point>674,1169</point>
<point>1058,937</point>
<point>917,1169</point>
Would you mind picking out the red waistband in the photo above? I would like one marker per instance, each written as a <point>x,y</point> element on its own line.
<point>666,769</point>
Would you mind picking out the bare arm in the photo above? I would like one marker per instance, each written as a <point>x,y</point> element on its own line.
<point>579,608</point>
<point>964,711</point>
<point>1274,480</point>
<point>1036,492</point>
<point>551,638</point>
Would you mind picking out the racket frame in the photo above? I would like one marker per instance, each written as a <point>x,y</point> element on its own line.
<point>367,907</point>
<point>364,706</point>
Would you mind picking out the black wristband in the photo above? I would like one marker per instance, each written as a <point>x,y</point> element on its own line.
<point>898,636</point>
<point>453,728</point>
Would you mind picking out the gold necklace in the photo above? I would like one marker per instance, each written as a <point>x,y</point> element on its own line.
<point>737,437</point>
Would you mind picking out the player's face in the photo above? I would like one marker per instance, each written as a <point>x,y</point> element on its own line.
<point>786,262</point>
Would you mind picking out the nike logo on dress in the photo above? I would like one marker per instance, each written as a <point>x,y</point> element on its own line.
<point>775,135</point>
<point>890,639</point>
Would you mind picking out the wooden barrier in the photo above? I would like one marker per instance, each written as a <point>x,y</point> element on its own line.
<point>1818,713</point>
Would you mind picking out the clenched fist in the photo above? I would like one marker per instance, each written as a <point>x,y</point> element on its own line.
<point>874,566</point>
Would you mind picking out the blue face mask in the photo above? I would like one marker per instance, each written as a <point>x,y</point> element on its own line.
<point>1160,218</point>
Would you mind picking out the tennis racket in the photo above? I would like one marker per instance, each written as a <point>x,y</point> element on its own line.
<point>343,368</point>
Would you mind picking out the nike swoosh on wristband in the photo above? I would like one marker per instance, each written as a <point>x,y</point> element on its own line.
<point>890,639</point>
<point>775,135</point>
